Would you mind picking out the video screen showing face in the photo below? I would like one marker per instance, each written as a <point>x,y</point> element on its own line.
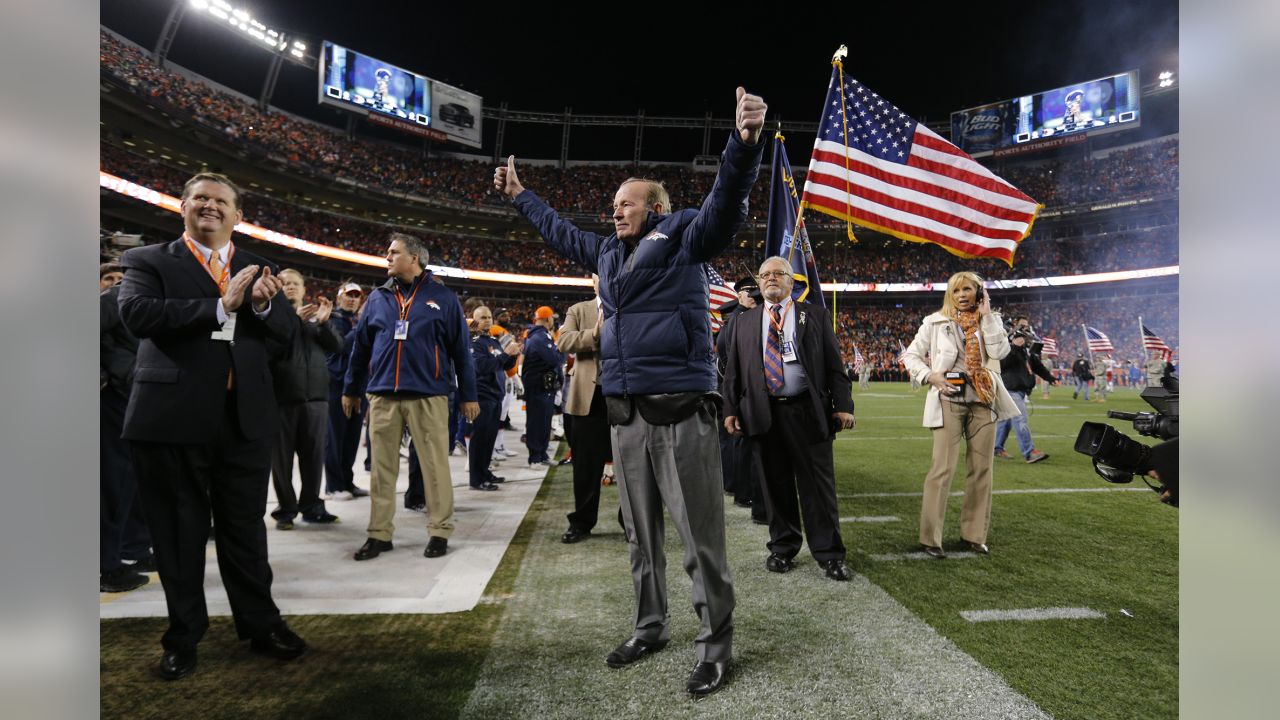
<point>364,82</point>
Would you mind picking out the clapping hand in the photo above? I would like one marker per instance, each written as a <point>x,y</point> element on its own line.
<point>265,287</point>
<point>233,296</point>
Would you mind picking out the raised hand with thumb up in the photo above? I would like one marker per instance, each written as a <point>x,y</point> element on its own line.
<point>505,180</point>
<point>749,116</point>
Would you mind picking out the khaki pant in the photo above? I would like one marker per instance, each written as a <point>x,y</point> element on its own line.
<point>428,422</point>
<point>960,420</point>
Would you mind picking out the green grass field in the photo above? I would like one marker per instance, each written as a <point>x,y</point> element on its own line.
<point>1105,550</point>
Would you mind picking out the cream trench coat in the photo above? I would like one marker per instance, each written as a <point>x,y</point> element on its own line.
<point>939,340</point>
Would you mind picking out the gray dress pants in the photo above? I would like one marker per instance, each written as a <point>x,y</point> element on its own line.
<point>677,466</point>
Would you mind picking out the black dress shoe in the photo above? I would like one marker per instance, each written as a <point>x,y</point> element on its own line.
<point>436,546</point>
<point>574,535</point>
<point>145,565</point>
<point>280,642</point>
<point>485,486</point>
<point>778,564</point>
<point>632,650</point>
<point>706,677</point>
<point>497,479</point>
<point>175,664</point>
<point>836,570</point>
<point>978,548</point>
<point>373,548</point>
<point>358,492</point>
<point>934,551</point>
<point>742,502</point>
<point>321,518</point>
<point>122,579</point>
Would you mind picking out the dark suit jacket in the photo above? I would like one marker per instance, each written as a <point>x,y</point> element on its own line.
<point>169,302</point>
<point>745,394</point>
<point>117,347</point>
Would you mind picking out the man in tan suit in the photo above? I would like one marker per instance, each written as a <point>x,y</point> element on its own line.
<point>589,438</point>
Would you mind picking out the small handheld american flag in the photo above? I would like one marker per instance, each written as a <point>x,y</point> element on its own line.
<point>1098,341</point>
<point>719,293</point>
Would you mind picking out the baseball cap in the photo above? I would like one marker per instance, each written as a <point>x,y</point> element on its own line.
<point>350,287</point>
<point>543,313</point>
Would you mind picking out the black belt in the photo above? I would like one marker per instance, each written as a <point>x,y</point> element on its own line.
<point>784,399</point>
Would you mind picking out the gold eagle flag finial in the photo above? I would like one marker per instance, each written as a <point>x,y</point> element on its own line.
<point>841,54</point>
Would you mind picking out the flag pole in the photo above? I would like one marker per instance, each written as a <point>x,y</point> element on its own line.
<point>1142,337</point>
<point>1088,353</point>
<point>841,53</point>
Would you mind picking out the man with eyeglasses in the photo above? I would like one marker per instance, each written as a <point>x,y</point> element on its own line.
<point>786,387</point>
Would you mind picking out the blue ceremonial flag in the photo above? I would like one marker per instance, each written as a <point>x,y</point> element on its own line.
<point>784,237</point>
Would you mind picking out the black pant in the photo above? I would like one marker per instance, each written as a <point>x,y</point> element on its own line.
<point>122,531</point>
<point>181,486</point>
<point>484,433</point>
<point>793,462</point>
<point>415,494</point>
<point>592,448</point>
<point>302,432</point>
<point>742,474</point>
<point>343,442</point>
<point>538,432</point>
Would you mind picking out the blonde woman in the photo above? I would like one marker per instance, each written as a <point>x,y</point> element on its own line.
<point>967,339</point>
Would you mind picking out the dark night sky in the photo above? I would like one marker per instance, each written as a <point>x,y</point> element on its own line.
<point>928,58</point>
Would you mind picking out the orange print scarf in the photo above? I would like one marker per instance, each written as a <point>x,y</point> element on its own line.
<point>973,355</point>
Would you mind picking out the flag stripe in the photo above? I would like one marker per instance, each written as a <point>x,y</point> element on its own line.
<point>928,145</point>
<point>995,229</point>
<point>961,192</point>
<point>828,169</point>
<point>997,248</point>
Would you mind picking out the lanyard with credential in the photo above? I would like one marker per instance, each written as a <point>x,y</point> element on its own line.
<point>224,277</point>
<point>402,327</point>
<point>778,326</point>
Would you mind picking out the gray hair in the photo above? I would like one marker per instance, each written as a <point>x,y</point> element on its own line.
<point>413,246</point>
<point>779,258</point>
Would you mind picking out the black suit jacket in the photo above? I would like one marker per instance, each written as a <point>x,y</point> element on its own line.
<point>745,394</point>
<point>117,347</point>
<point>169,302</point>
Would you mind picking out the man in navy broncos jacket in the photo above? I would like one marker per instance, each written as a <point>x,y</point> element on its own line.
<point>410,330</point>
<point>659,381</point>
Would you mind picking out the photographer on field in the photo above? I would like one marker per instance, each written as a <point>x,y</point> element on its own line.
<point>1019,369</point>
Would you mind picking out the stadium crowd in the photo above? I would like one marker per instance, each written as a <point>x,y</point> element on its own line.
<point>869,260</point>
<point>1150,169</point>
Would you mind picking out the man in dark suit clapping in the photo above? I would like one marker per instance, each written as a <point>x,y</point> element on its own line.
<point>786,387</point>
<point>202,416</point>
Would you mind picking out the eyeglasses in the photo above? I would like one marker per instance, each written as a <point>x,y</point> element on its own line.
<point>775,274</point>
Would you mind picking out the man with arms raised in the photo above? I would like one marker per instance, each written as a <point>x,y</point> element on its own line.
<point>658,377</point>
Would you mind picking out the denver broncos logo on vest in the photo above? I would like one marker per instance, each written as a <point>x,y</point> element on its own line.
<point>432,304</point>
<point>655,235</point>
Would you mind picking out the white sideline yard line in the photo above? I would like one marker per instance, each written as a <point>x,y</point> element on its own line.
<point>921,555</point>
<point>871,519</point>
<point>1015,491</point>
<point>1053,613</point>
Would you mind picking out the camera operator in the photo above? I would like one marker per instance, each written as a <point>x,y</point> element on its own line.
<point>1019,369</point>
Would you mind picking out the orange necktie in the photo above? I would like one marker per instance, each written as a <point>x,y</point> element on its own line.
<point>215,268</point>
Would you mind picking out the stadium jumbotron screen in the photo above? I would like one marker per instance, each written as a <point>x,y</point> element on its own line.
<point>1102,105</point>
<point>353,81</point>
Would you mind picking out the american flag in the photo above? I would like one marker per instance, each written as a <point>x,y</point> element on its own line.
<point>720,294</point>
<point>858,360</point>
<point>1151,341</point>
<point>875,166</point>
<point>1050,348</point>
<point>1098,341</point>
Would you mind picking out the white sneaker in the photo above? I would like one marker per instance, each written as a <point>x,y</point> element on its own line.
<point>510,453</point>
<point>340,495</point>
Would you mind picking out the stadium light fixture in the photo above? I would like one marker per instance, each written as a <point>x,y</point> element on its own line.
<point>240,19</point>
